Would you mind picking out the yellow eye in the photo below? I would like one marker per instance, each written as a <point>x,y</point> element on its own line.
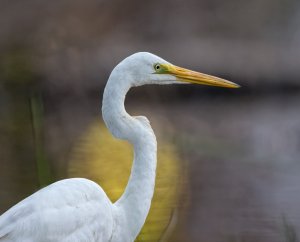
<point>157,67</point>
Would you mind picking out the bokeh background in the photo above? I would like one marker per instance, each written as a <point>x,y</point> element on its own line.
<point>238,149</point>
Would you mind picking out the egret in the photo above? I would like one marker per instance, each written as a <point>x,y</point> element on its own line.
<point>77,209</point>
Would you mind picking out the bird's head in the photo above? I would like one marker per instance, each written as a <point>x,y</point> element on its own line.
<point>145,68</point>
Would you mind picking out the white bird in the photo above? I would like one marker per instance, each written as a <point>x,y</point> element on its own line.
<point>78,209</point>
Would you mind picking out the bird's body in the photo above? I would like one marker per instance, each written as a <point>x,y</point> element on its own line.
<point>68,210</point>
<point>78,210</point>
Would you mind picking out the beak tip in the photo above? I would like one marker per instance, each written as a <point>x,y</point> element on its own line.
<point>234,85</point>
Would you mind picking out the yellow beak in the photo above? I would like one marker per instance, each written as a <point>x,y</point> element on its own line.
<point>186,75</point>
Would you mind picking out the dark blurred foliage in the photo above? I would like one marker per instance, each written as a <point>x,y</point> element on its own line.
<point>242,146</point>
<point>76,43</point>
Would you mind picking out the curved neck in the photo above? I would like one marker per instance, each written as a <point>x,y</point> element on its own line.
<point>132,208</point>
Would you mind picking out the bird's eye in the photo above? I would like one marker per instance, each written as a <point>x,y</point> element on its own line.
<point>157,67</point>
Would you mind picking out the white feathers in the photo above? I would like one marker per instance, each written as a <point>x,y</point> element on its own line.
<point>68,210</point>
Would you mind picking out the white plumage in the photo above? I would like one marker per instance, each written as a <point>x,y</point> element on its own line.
<point>68,210</point>
<point>78,209</point>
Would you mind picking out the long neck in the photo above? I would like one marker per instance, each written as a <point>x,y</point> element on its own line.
<point>132,208</point>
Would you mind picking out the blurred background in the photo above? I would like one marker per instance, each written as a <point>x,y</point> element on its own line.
<point>236,152</point>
